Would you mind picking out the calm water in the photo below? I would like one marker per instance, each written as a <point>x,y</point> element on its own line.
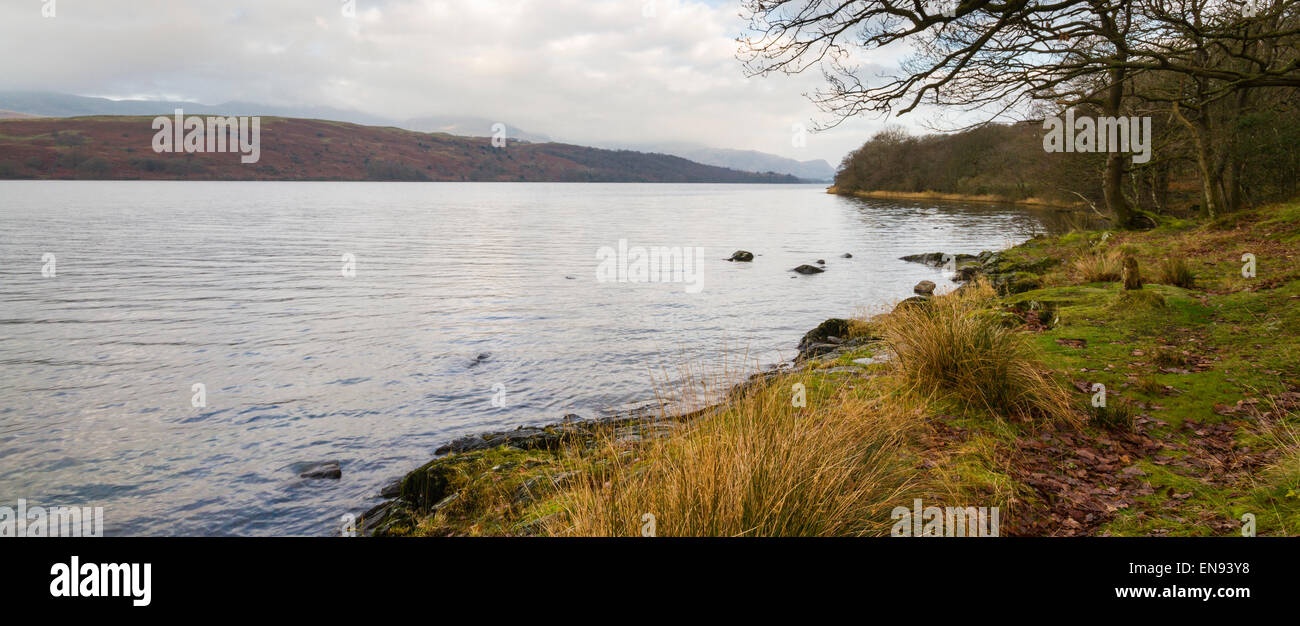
<point>457,288</point>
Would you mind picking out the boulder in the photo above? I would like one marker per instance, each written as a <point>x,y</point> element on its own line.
<point>742,255</point>
<point>929,258</point>
<point>968,271</point>
<point>924,288</point>
<point>808,269</point>
<point>326,469</point>
<point>939,259</point>
<point>824,338</point>
<point>426,486</point>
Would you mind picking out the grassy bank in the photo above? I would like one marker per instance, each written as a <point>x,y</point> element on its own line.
<point>954,197</point>
<point>985,397</point>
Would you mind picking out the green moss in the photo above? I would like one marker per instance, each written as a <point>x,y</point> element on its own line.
<point>1137,301</point>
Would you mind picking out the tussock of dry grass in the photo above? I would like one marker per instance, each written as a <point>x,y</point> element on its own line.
<point>757,467</point>
<point>1175,271</point>
<point>1098,266</point>
<point>1281,429</point>
<point>957,348</point>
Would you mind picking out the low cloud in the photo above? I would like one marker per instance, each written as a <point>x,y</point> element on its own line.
<point>584,71</point>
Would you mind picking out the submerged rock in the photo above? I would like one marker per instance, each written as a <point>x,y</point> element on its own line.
<point>808,269</point>
<point>939,259</point>
<point>325,469</point>
<point>846,256</point>
<point>742,255</point>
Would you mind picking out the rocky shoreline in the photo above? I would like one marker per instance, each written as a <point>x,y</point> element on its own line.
<point>433,486</point>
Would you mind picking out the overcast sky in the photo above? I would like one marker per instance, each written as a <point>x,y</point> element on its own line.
<point>583,71</point>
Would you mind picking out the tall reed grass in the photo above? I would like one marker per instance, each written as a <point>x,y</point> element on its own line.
<point>954,347</point>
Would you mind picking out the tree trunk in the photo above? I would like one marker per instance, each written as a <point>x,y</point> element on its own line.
<point>1113,180</point>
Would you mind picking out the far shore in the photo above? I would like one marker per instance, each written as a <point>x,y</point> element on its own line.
<point>954,197</point>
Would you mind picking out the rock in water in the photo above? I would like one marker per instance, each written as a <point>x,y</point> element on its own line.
<point>821,261</point>
<point>924,288</point>
<point>846,256</point>
<point>742,255</point>
<point>808,269</point>
<point>327,469</point>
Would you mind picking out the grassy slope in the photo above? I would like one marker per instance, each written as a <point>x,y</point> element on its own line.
<point>1200,426</point>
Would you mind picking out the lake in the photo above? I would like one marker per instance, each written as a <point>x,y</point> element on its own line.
<point>369,323</point>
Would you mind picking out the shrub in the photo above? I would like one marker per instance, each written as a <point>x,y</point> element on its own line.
<point>71,159</point>
<point>94,167</point>
<point>389,170</point>
<point>149,165</point>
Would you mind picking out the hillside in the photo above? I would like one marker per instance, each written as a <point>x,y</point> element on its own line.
<point>815,170</point>
<point>120,147</point>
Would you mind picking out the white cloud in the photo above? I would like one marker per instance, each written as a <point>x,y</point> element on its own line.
<point>586,71</point>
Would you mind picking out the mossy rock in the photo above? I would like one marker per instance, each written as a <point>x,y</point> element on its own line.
<point>427,485</point>
<point>1017,282</point>
<point>1024,281</point>
<point>833,327</point>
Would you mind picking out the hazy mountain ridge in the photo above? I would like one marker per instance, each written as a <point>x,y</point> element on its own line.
<point>121,147</point>
<point>64,105</point>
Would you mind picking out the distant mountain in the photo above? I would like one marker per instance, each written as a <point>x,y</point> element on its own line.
<point>63,105</point>
<point>467,127</point>
<point>48,104</point>
<point>121,147</point>
<point>817,170</point>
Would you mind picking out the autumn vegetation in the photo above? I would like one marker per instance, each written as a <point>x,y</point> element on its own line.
<point>1218,79</point>
<point>976,398</point>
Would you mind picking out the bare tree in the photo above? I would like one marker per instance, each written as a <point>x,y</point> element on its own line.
<point>999,58</point>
